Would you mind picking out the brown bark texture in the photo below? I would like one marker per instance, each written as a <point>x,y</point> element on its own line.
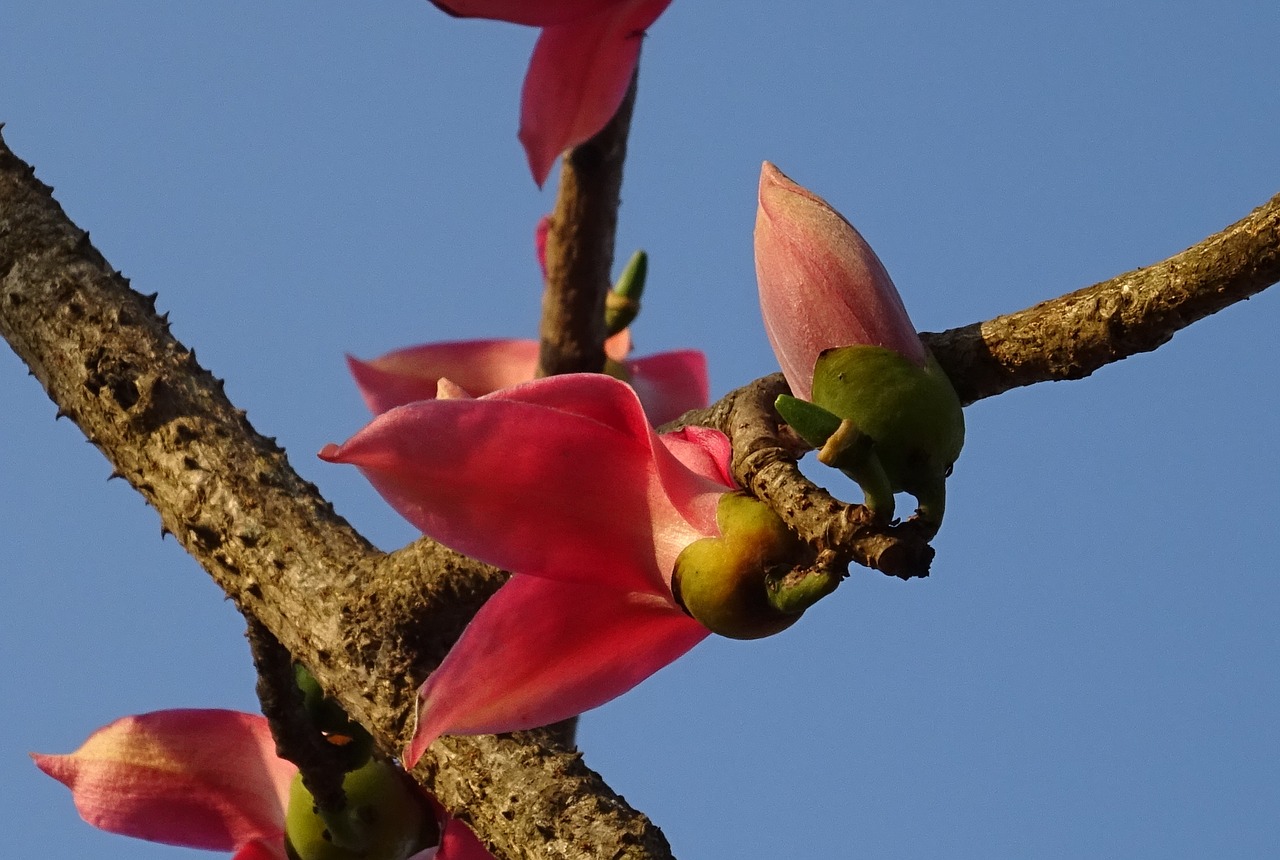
<point>372,625</point>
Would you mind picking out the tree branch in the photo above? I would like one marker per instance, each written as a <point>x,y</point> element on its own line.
<point>1073,335</point>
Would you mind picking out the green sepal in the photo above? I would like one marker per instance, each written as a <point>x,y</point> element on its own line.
<point>797,590</point>
<point>854,453</point>
<point>814,424</point>
<point>910,411</point>
<point>385,818</point>
<point>622,303</point>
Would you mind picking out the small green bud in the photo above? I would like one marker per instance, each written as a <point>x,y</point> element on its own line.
<point>622,303</point>
<point>385,818</point>
<point>741,584</point>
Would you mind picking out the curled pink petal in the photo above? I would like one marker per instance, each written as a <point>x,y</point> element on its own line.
<point>579,72</point>
<point>477,366</point>
<point>540,651</point>
<point>821,285</point>
<point>200,778</point>
<point>704,452</point>
<point>561,477</point>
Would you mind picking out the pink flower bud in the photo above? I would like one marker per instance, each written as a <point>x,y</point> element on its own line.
<point>821,285</point>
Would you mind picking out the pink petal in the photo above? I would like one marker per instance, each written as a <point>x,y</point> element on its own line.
<point>478,366</point>
<point>670,383</point>
<point>536,13</point>
<point>561,477</point>
<point>540,651</point>
<point>200,778</point>
<point>579,72</point>
<point>272,849</point>
<point>704,452</point>
<point>458,842</point>
<point>821,285</point>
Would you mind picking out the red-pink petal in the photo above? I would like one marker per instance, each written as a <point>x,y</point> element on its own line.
<point>670,383</point>
<point>272,849</point>
<point>536,13</point>
<point>458,842</point>
<point>821,285</point>
<point>200,778</point>
<point>478,366</point>
<point>540,651</point>
<point>579,72</point>
<point>561,477</point>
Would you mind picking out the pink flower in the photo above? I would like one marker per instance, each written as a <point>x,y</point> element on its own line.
<point>821,285</point>
<point>563,482</point>
<point>669,383</point>
<point>202,779</point>
<point>581,65</point>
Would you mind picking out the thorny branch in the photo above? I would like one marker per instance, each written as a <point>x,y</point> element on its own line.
<point>359,618</point>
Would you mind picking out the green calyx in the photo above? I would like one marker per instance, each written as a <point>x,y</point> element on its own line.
<point>385,818</point>
<point>744,584</point>
<point>888,423</point>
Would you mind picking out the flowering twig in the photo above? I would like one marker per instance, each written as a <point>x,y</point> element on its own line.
<point>355,616</point>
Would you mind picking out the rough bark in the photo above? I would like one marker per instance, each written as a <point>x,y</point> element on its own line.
<point>1073,335</point>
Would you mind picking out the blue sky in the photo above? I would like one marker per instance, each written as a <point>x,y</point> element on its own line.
<point>1090,671</point>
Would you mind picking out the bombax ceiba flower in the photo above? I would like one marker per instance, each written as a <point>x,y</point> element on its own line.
<point>626,547</point>
<point>211,779</point>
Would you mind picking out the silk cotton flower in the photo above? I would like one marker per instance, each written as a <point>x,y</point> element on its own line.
<point>200,778</point>
<point>563,482</point>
